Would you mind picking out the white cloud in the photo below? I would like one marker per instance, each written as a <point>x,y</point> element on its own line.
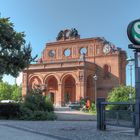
<point>19,79</point>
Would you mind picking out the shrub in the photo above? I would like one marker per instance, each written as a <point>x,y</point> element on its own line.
<point>49,105</point>
<point>40,115</point>
<point>25,113</point>
<point>9,110</point>
<point>35,102</point>
<point>51,116</point>
<point>92,107</point>
<point>36,107</point>
<point>82,102</point>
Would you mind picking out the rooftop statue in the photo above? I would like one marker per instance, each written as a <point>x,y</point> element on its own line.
<point>74,33</point>
<point>60,35</point>
<point>67,34</point>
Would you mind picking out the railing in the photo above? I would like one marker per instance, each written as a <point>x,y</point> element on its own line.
<point>115,113</point>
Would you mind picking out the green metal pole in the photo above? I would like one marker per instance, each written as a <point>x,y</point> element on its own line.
<point>137,88</point>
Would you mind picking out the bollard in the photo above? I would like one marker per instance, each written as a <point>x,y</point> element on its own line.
<point>100,113</point>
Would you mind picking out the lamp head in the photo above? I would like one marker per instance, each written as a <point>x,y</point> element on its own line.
<point>95,77</point>
<point>130,60</point>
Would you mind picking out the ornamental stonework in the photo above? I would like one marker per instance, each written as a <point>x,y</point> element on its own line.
<point>67,66</point>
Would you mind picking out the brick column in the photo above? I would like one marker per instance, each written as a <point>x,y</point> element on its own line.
<point>83,89</point>
<point>24,84</point>
<point>78,91</point>
<point>59,98</point>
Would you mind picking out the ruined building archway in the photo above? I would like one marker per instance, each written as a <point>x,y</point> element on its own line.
<point>52,88</point>
<point>69,89</point>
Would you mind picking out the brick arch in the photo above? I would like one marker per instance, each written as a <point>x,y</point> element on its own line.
<point>35,75</point>
<point>69,88</point>
<point>52,87</point>
<point>106,70</point>
<point>66,74</point>
<point>34,80</point>
<point>50,75</point>
<point>51,80</point>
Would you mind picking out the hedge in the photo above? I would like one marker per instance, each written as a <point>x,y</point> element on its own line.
<point>9,110</point>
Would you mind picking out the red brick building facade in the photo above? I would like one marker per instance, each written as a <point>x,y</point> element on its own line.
<point>67,67</point>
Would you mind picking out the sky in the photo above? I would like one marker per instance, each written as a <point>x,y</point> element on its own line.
<point>41,20</point>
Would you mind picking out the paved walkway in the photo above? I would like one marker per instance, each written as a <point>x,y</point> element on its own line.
<point>73,115</point>
<point>12,133</point>
<point>62,130</point>
<point>70,125</point>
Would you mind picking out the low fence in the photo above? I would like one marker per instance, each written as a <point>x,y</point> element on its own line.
<point>115,113</point>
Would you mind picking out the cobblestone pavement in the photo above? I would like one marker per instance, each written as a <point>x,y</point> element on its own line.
<point>74,115</point>
<point>71,130</point>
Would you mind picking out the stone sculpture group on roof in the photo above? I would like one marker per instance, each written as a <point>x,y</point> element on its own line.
<point>73,33</point>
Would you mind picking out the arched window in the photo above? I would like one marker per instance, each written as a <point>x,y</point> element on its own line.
<point>107,70</point>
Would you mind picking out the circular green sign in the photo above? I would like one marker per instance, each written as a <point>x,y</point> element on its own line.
<point>133,32</point>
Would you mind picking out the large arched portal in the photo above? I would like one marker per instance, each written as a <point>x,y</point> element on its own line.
<point>69,92</point>
<point>52,88</point>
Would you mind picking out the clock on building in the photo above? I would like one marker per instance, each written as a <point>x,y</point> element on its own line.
<point>51,53</point>
<point>106,48</point>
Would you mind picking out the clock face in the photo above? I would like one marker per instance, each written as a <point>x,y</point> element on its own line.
<point>106,48</point>
<point>51,53</point>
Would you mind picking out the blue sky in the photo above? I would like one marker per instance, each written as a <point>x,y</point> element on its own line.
<point>41,20</point>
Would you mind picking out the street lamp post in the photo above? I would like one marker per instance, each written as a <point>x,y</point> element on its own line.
<point>80,79</point>
<point>95,80</point>
<point>131,62</point>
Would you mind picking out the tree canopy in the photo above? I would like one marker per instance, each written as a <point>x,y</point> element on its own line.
<point>15,55</point>
<point>10,92</point>
<point>121,94</point>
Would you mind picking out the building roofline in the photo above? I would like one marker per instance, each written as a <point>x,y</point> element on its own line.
<point>37,66</point>
<point>72,41</point>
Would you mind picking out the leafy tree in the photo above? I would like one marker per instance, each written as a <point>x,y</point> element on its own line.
<point>121,94</point>
<point>5,91</point>
<point>16,93</point>
<point>11,92</point>
<point>15,55</point>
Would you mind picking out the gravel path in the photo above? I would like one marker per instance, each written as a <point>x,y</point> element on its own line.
<point>74,115</point>
<point>72,130</point>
